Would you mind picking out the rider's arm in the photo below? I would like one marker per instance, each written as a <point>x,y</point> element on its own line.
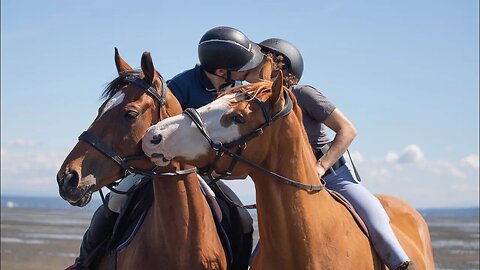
<point>345,132</point>
<point>319,109</point>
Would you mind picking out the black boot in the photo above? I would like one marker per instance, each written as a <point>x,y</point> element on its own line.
<point>100,228</point>
<point>408,265</point>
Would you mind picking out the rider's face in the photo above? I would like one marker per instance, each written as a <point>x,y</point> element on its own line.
<point>253,75</point>
<point>239,75</point>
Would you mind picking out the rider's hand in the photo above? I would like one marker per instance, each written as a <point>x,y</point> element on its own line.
<point>215,174</point>
<point>320,170</point>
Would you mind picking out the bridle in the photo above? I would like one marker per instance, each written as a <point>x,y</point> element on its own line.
<point>221,149</point>
<point>102,147</point>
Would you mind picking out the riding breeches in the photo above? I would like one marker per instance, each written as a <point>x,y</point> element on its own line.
<point>117,201</point>
<point>371,211</point>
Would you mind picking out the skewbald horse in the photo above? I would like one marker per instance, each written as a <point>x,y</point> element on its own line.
<point>300,225</point>
<point>179,231</point>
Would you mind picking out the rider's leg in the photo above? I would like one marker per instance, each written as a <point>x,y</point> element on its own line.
<point>101,225</point>
<point>104,218</point>
<point>371,211</point>
<point>242,222</point>
<point>245,217</point>
<point>210,196</point>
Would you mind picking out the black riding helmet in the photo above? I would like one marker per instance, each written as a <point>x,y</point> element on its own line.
<point>228,48</point>
<point>285,48</point>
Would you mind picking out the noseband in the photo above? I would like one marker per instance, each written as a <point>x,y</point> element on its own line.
<point>98,144</point>
<point>241,143</point>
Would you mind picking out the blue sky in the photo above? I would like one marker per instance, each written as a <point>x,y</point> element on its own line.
<point>405,72</point>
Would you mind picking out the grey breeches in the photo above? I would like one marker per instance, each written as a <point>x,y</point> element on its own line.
<point>385,242</point>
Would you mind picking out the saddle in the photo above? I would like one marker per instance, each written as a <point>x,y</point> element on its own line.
<point>126,226</point>
<point>236,243</point>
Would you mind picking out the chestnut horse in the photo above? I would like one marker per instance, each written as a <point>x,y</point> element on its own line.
<point>178,231</point>
<point>258,131</point>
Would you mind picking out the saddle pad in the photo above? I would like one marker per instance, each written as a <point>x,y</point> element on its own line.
<point>132,216</point>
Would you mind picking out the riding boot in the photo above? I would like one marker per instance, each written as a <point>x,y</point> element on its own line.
<point>408,265</point>
<point>100,228</point>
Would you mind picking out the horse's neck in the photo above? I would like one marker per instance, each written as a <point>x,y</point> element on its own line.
<point>178,232</point>
<point>180,207</point>
<point>289,217</point>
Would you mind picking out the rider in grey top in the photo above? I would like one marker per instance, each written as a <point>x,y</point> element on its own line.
<point>315,109</point>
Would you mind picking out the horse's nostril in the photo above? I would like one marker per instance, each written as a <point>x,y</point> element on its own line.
<point>71,179</point>
<point>156,139</point>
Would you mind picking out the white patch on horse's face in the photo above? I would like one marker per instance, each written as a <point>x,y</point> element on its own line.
<point>113,102</point>
<point>180,137</point>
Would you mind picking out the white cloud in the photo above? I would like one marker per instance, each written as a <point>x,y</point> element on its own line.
<point>461,187</point>
<point>35,162</point>
<point>30,172</point>
<point>421,181</point>
<point>471,161</point>
<point>379,173</point>
<point>391,157</point>
<point>357,157</point>
<point>411,154</point>
<point>454,171</point>
<point>23,143</point>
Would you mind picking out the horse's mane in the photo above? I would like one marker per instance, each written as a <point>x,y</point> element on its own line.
<point>264,86</point>
<point>252,89</point>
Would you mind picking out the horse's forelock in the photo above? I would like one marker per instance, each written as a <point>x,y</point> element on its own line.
<point>112,88</point>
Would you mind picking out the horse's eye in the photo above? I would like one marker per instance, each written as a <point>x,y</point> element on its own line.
<point>131,115</point>
<point>238,119</point>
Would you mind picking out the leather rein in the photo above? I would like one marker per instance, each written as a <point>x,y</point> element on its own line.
<point>102,147</point>
<point>241,143</point>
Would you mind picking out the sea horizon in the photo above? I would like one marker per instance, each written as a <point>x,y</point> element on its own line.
<point>51,202</point>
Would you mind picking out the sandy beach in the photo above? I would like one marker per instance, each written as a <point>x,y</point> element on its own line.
<point>49,238</point>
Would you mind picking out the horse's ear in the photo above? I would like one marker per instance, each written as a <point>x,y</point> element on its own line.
<point>122,66</point>
<point>266,71</point>
<point>148,68</point>
<point>277,90</point>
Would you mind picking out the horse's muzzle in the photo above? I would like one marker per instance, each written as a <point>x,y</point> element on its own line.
<point>71,192</point>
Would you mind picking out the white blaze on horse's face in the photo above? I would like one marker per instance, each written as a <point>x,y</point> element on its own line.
<point>113,102</point>
<point>180,137</point>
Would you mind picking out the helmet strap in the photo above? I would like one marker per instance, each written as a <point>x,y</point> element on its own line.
<point>228,80</point>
